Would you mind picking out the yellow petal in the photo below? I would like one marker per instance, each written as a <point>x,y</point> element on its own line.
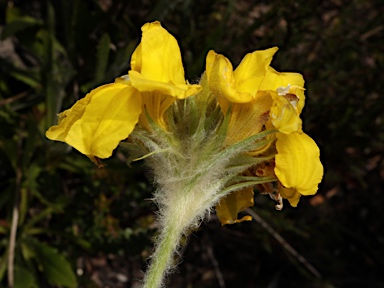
<point>155,104</point>
<point>156,64</point>
<point>158,73</point>
<point>252,69</point>
<point>160,55</point>
<point>179,91</point>
<point>136,59</point>
<point>291,194</point>
<point>95,126</point>
<point>284,116</point>
<point>298,163</point>
<point>246,119</point>
<point>232,204</point>
<point>67,118</point>
<point>221,79</point>
<point>274,79</point>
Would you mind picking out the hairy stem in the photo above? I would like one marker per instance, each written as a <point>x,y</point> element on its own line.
<point>187,208</point>
<point>162,258</point>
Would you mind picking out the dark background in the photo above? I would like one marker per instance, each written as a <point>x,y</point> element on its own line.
<point>79,226</point>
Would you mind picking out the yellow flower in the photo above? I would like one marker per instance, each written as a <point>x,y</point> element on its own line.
<point>241,85</point>
<point>262,98</point>
<point>297,162</point>
<point>107,115</point>
<point>239,90</point>
<point>97,123</point>
<point>157,72</point>
<point>252,92</point>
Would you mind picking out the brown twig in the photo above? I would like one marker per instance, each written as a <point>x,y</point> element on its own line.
<point>215,263</point>
<point>14,98</point>
<point>15,217</point>
<point>284,243</point>
<point>12,245</point>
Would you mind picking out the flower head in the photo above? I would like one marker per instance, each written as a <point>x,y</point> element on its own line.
<point>96,124</point>
<point>208,144</point>
<point>239,91</point>
<point>260,98</point>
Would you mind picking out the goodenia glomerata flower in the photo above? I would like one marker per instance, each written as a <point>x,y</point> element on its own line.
<point>208,144</point>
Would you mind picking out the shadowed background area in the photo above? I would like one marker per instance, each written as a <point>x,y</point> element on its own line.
<point>80,226</point>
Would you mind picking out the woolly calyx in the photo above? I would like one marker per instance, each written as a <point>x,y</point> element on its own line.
<point>193,170</point>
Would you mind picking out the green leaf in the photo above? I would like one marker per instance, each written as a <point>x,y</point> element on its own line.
<point>3,265</point>
<point>121,60</point>
<point>102,57</point>
<point>24,278</point>
<point>10,150</point>
<point>27,77</point>
<point>56,269</point>
<point>23,205</point>
<point>17,22</point>
<point>27,250</point>
<point>3,230</point>
<point>6,196</point>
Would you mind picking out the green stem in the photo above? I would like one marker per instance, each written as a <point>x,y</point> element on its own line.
<point>162,258</point>
<point>183,210</point>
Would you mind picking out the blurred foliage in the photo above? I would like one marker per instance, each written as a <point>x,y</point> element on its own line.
<point>79,226</point>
